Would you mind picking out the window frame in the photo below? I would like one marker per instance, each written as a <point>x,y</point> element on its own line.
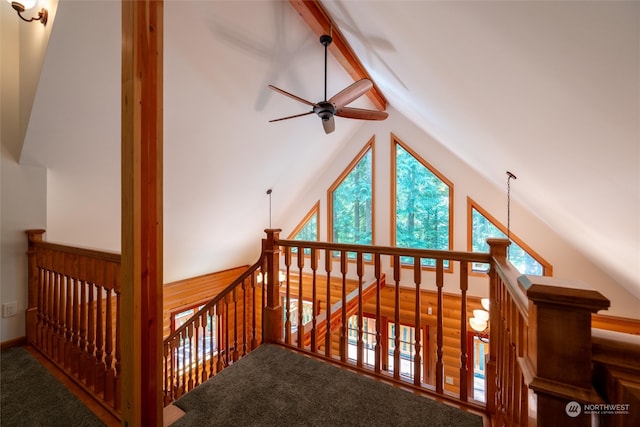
<point>395,141</point>
<point>547,268</point>
<point>369,146</point>
<point>315,210</point>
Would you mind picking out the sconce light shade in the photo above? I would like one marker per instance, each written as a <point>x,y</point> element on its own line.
<point>477,324</point>
<point>20,7</point>
<point>481,315</point>
<point>485,303</point>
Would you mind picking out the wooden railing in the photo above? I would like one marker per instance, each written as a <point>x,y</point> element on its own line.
<point>540,348</point>
<point>72,315</point>
<point>222,331</point>
<point>329,334</point>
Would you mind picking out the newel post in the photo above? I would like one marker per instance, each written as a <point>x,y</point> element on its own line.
<point>31,314</point>
<point>498,252</point>
<point>272,312</point>
<point>557,366</point>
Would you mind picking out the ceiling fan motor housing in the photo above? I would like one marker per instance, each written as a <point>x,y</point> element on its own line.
<point>325,110</point>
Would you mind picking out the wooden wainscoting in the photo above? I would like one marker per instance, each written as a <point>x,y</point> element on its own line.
<point>186,293</point>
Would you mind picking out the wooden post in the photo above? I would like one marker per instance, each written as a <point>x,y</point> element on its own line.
<point>141,297</point>
<point>498,251</point>
<point>557,366</point>
<point>31,314</point>
<point>272,313</point>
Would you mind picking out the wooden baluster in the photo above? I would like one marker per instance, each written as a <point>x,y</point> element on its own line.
<point>68,311</point>
<point>254,324</point>
<point>287,308</point>
<point>344,333</point>
<point>55,310</point>
<point>464,285</point>
<point>182,364</point>
<point>167,396</point>
<point>236,354</point>
<point>212,339</point>
<point>300,330</point>
<point>439,352</point>
<point>328,264</point>
<point>417,359</point>
<point>189,352</point>
<point>75,322</point>
<point>99,364</point>
<point>195,346</point>
<point>91,330</point>
<point>378,348</point>
<point>226,333</point>
<point>42,306</point>
<point>245,285</point>
<point>82,339</point>
<point>108,357</point>
<point>314,299</point>
<point>396,310</point>
<point>117,380</point>
<point>360,342</point>
<point>46,321</point>
<point>219,322</point>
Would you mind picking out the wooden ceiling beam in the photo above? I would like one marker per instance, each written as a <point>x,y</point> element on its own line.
<point>320,23</point>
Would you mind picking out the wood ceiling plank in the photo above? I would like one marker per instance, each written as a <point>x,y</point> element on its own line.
<point>320,23</point>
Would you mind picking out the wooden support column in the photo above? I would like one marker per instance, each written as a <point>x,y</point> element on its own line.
<point>273,311</point>
<point>141,298</point>
<point>557,366</point>
<point>31,320</point>
<point>498,251</point>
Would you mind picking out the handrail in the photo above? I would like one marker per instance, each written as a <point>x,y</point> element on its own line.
<point>536,324</point>
<point>217,335</point>
<point>71,318</point>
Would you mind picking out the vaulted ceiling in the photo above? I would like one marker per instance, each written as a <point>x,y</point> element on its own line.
<point>547,90</point>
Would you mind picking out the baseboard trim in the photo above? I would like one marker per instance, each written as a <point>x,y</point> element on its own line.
<point>16,342</point>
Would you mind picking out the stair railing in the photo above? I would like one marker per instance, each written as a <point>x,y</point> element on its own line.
<point>72,314</point>
<point>222,331</point>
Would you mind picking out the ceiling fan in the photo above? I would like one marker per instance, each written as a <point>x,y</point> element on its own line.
<point>336,105</point>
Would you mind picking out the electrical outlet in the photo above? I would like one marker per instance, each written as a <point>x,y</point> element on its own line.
<point>429,310</point>
<point>448,380</point>
<point>9,309</point>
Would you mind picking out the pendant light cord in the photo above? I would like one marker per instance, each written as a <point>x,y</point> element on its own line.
<point>509,176</point>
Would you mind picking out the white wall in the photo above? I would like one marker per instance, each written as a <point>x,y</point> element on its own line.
<point>23,189</point>
<point>567,261</point>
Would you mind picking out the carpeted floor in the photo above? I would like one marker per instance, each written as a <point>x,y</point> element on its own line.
<point>276,387</point>
<point>31,396</point>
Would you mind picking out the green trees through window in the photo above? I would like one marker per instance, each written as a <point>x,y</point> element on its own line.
<point>422,205</point>
<point>483,228</point>
<point>352,204</point>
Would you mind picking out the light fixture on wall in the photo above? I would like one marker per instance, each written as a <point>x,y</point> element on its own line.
<point>20,7</point>
<point>282,276</point>
<point>480,320</point>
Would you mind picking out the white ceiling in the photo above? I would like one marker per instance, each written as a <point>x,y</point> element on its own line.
<point>548,90</point>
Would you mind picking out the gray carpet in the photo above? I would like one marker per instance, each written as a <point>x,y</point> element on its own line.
<point>276,387</point>
<point>31,396</point>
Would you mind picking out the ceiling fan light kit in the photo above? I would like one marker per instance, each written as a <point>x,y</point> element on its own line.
<point>337,104</point>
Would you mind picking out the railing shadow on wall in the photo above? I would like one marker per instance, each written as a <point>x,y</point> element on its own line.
<point>540,332</point>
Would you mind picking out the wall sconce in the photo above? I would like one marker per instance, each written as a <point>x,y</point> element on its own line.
<point>480,320</point>
<point>282,276</point>
<point>43,15</point>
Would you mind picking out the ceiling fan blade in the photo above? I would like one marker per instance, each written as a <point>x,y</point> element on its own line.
<point>362,114</point>
<point>291,117</point>
<point>351,93</point>
<point>290,95</point>
<point>329,125</point>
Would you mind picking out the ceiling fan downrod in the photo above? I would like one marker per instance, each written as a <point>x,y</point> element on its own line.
<point>325,40</point>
